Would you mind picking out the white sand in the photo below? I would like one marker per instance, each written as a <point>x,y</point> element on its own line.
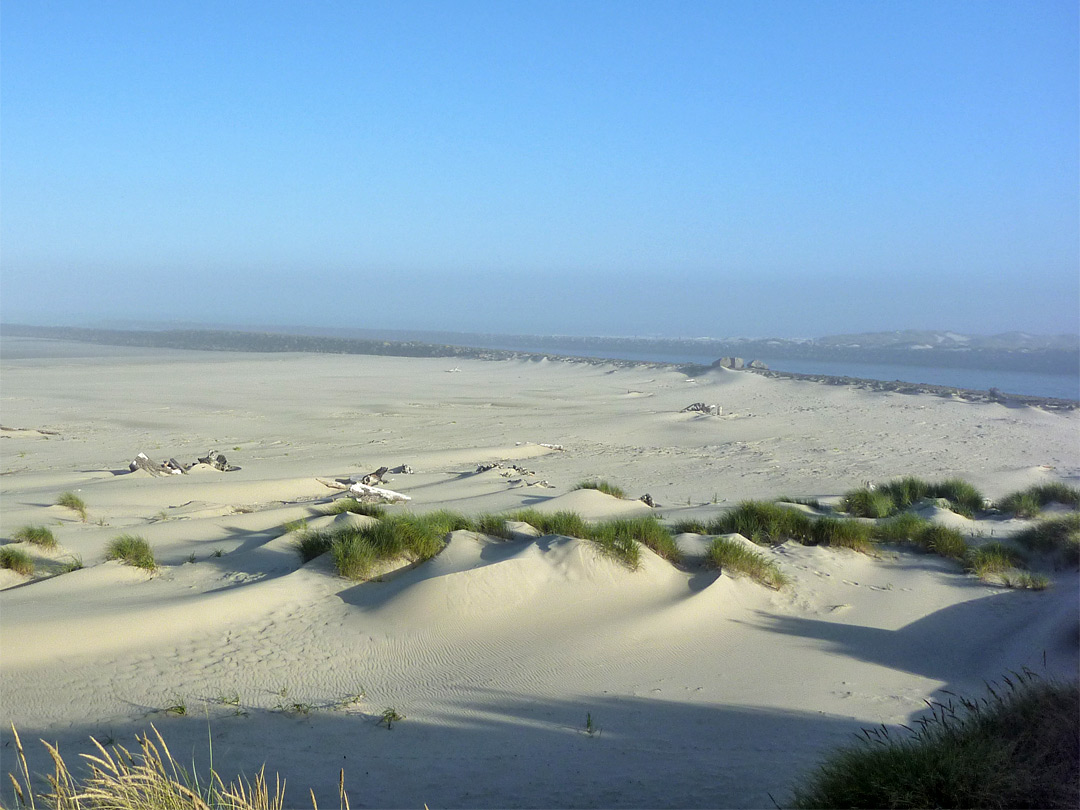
<point>707,691</point>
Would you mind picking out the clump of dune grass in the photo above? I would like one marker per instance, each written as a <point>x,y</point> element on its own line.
<point>901,528</point>
<point>355,507</point>
<point>1024,580</point>
<point>310,545</point>
<point>1019,746</point>
<point>616,544</point>
<point>992,559</point>
<point>732,556</point>
<point>963,498</point>
<point>842,533</point>
<point>492,525</point>
<point>813,503</point>
<point>869,503</point>
<point>602,486</point>
<point>943,541</point>
<point>416,538</point>
<point>16,560</point>
<point>689,526</point>
<point>646,530</point>
<point>131,550</point>
<point>70,500</point>
<point>37,535</point>
<point>1057,535</point>
<point>1029,503</point>
<point>149,779</point>
<point>565,523</point>
<point>764,523</point>
<point>903,492</point>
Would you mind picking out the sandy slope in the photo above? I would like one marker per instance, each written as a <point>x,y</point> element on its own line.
<point>703,690</point>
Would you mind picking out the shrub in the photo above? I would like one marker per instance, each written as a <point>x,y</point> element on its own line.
<point>869,503</point>
<point>991,559</point>
<point>132,550</point>
<point>1017,747</point>
<point>727,554</point>
<point>827,531</point>
<point>1057,535</point>
<point>764,523</point>
<point>1029,502</point>
<point>16,560</point>
<point>73,502</point>
<point>355,507</point>
<point>602,486</point>
<point>37,535</point>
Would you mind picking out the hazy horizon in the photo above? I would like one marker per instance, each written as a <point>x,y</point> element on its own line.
<point>764,169</point>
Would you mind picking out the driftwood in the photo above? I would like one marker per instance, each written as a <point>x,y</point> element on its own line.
<point>365,490</point>
<point>217,461</point>
<point>144,462</point>
<point>701,407</point>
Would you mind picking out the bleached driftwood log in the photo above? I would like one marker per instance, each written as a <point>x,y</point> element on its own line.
<point>362,490</point>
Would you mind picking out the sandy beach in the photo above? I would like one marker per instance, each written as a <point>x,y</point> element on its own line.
<point>530,672</point>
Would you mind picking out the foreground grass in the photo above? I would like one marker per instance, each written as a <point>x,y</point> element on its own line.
<point>70,500</point>
<point>16,560</point>
<point>1029,503</point>
<point>1017,747</point>
<point>131,550</point>
<point>731,556</point>
<point>355,507</point>
<point>603,486</point>
<point>149,779</point>
<point>37,535</point>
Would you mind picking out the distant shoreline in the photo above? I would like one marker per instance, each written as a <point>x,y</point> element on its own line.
<point>239,341</point>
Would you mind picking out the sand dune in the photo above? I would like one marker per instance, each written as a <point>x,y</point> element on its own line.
<point>703,689</point>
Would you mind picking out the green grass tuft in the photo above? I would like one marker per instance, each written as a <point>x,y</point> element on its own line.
<point>132,550</point>
<point>942,540</point>
<point>689,526</point>
<point>1024,580</point>
<point>903,492</point>
<point>842,533</point>
<point>1028,503</point>
<point>602,486</point>
<point>902,528</point>
<point>492,526</point>
<point>732,556</point>
<point>646,530</point>
<point>1016,747</point>
<point>16,560</point>
<point>310,545</point>
<point>764,523</point>
<point>355,507</point>
<point>1056,535</point>
<point>963,498</point>
<point>869,503</point>
<point>992,559</point>
<point>567,524</point>
<point>73,502</point>
<point>37,535</point>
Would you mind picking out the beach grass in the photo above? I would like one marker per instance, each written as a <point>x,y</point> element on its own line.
<point>842,533</point>
<point>565,523</point>
<point>492,526</point>
<point>310,545</point>
<point>992,559</point>
<point>147,779</point>
<point>602,486</point>
<point>763,522</point>
<point>901,528</point>
<point>131,550</point>
<point>1024,580</point>
<point>733,557</point>
<point>1015,747</point>
<point>36,535</point>
<point>1056,535</point>
<point>1029,503</point>
<point>942,540</point>
<point>16,560</point>
<point>646,530</point>
<point>905,491</point>
<point>868,503</point>
<point>70,500</point>
<point>963,498</point>
<point>355,507</point>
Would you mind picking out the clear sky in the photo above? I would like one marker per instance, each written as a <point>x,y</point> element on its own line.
<point>673,168</point>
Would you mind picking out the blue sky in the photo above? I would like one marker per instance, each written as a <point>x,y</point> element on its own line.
<point>676,168</point>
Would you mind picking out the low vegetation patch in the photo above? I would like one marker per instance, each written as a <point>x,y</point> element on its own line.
<point>1029,503</point>
<point>764,523</point>
<point>732,556</point>
<point>1024,580</point>
<point>16,560</point>
<point>992,559</point>
<point>646,530</point>
<point>901,493</point>
<point>942,540</point>
<point>70,500</point>
<point>838,533</point>
<point>567,524</point>
<point>131,550</point>
<point>148,779</point>
<point>603,486</point>
<point>356,507</point>
<point>1059,536</point>
<point>902,528</point>
<point>1017,747</point>
<point>37,535</point>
